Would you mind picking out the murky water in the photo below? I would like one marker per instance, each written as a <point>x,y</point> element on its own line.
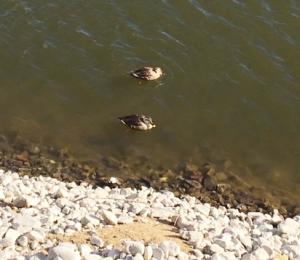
<point>231,89</point>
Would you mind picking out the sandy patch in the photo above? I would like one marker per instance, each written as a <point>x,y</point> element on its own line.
<point>149,231</point>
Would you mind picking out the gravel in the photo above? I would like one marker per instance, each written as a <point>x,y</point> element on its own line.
<point>32,209</point>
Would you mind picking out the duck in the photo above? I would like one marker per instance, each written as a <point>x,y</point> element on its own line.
<point>137,122</point>
<point>147,73</point>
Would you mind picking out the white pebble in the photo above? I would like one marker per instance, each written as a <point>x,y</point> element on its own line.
<point>134,247</point>
<point>22,241</point>
<point>97,241</point>
<point>64,251</point>
<point>170,248</point>
<point>109,217</point>
<point>84,249</point>
<point>158,253</point>
<point>148,252</point>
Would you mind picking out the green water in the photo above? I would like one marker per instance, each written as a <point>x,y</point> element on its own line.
<point>231,89</point>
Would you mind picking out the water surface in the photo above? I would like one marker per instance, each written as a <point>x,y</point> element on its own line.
<point>231,89</point>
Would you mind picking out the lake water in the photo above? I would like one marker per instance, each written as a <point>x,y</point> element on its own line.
<point>231,89</point>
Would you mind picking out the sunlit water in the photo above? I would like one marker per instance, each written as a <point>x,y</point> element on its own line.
<point>231,89</point>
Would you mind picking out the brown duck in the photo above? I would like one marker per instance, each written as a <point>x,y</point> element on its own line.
<point>138,122</point>
<point>147,73</point>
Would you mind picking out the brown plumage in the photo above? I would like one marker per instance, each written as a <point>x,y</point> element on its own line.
<point>138,122</point>
<point>147,73</point>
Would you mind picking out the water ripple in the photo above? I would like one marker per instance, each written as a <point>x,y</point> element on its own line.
<point>228,64</point>
<point>83,31</point>
<point>169,36</point>
<point>197,5</point>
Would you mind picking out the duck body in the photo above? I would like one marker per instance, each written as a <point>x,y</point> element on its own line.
<point>138,122</point>
<point>147,73</point>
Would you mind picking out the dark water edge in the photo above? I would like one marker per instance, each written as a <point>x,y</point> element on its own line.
<point>211,182</point>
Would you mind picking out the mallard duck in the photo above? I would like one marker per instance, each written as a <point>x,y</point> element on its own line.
<point>147,73</point>
<point>137,122</point>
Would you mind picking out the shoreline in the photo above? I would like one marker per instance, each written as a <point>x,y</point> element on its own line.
<point>43,218</point>
<point>207,182</point>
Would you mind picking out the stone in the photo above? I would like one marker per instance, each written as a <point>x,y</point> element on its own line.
<point>65,251</point>
<point>136,208</point>
<point>145,212</point>
<point>293,250</point>
<point>62,202</point>
<point>90,219</point>
<point>218,256</point>
<point>113,253</point>
<point>216,248</point>
<point>182,223</point>
<point>138,256</point>
<point>20,202</point>
<point>170,248</point>
<point>182,256</point>
<point>125,219</point>
<point>84,249</point>
<point>209,183</point>
<point>100,193</point>
<point>22,241</point>
<point>76,226</point>
<point>194,237</point>
<point>93,257</point>
<point>12,235</point>
<point>6,243</point>
<point>204,209</point>
<point>61,193</point>
<point>34,244</point>
<point>25,222</point>
<point>261,254</point>
<point>109,217</point>
<point>134,247</point>
<point>289,226</point>
<point>48,244</point>
<point>225,241</point>
<point>158,253</point>
<point>148,252</point>
<point>245,240</point>
<point>40,256</point>
<point>198,254</point>
<point>66,210</point>
<point>20,258</point>
<point>161,213</point>
<point>97,241</point>
<point>2,196</point>
<point>36,235</point>
<point>276,218</point>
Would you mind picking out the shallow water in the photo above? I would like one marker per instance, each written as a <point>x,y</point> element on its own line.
<point>231,89</point>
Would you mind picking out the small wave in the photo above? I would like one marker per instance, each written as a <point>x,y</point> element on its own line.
<point>169,59</point>
<point>266,6</point>
<point>239,2</point>
<point>83,32</point>
<point>169,36</point>
<point>249,71</point>
<point>196,4</point>
<point>270,54</point>
<point>295,15</point>
<point>230,24</point>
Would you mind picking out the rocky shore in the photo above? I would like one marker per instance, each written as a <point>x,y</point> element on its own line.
<point>208,182</point>
<point>53,206</point>
<point>44,218</point>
